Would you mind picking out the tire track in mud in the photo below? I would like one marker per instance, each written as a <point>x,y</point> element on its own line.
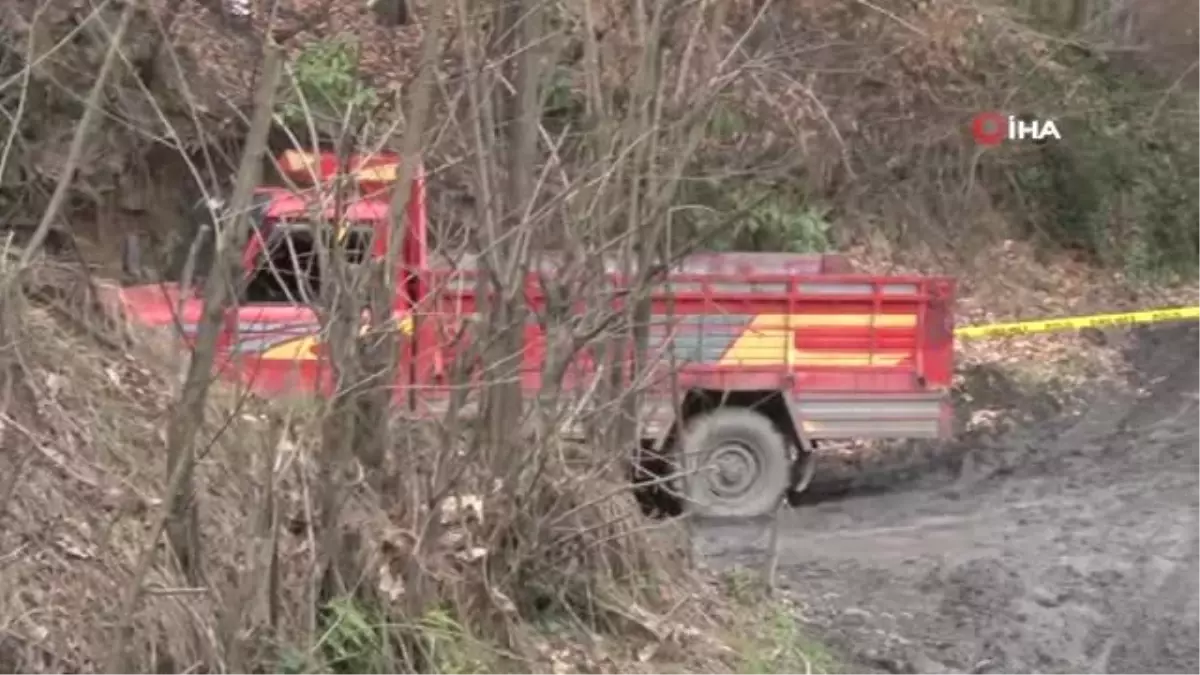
<point>1064,546</point>
<point>1158,628</point>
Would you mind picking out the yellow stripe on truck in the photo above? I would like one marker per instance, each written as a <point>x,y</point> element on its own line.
<point>305,348</point>
<point>770,340</point>
<point>298,349</point>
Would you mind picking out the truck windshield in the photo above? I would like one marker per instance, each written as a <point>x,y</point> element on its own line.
<point>289,271</point>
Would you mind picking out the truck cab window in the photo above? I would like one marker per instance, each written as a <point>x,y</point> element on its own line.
<point>288,271</point>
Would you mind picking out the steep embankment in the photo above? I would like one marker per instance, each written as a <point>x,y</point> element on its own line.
<point>483,579</point>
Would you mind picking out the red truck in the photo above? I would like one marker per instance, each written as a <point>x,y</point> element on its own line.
<point>767,354</point>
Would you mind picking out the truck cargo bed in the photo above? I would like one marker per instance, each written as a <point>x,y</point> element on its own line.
<point>858,356</point>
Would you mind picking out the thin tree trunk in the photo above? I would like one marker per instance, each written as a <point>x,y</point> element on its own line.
<point>188,416</point>
<point>179,516</point>
<point>520,31</point>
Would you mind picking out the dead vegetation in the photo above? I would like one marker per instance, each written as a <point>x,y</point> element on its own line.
<point>83,491</point>
<point>158,521</point>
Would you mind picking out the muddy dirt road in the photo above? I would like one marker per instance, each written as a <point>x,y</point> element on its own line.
<point>1065,545</point>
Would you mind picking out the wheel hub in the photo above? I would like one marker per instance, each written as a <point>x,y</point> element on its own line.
<point>734,470</point>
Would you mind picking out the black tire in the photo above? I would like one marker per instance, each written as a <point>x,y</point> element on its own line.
<point>735,464</point>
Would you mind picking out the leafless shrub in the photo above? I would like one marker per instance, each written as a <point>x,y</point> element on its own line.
<point>276,512</point>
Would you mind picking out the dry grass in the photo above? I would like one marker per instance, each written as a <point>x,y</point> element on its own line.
<point>86,422</point>
<point>551,576</point>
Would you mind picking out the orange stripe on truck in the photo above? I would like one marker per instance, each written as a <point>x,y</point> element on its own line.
<point>770,340</point>
<point>846,359</point>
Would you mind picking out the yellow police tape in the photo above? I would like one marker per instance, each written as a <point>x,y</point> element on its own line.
<point>1078,322</point>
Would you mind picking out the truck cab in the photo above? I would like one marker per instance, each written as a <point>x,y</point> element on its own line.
<point>281,272</point>
<point>280,259</point>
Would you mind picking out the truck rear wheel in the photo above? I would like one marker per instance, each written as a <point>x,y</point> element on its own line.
<point>736,464</point>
